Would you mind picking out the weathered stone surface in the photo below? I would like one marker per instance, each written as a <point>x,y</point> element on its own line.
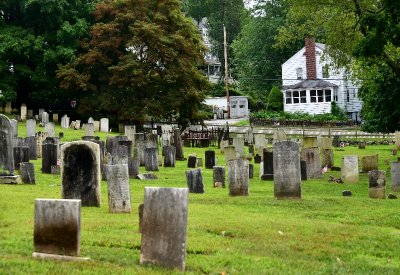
<point>27,172</point>
<point>279,135</point>
<point>194,180</point>
<point>313,160</point>
<point>31,142</point>
<point>395,176</point>
<point>6,147</point>
<point>169,156</point>
<point>119,199</point>
<point>369,163</point>
<point>89,129</point>
<point>392,197</point>
<point>260,142</point>
<point>327,158</point>
<point>178,145</point>
<point>133,167</point>
<point>219,175</point>
<point>287,173</point>
<point>336,141</point>
<point>325,143</point>
<point>310,142</point>
<point>49,157</point>
<point>8,108</point>
<point>148,176</point>
<point>238,143</point>
<point>268,165</point>
<point>140,146</point>
<point>57,227</point>
<point>349,169</point>
<point>230,153</point>
<point>120,155</point>
<point>164,226</point>
<point>30,128</point>
<point>21,154</point>
<point>24,110</point>
<point>113,142</point>
<point>80,169</point>
<point>45,118</point>
<point>14,130</point>
<point>238,177</point>
<point>361,145</point>
<point>49,129</point>
<point>65,122</point>
<point>55,169</point>
<point>303,167</point>
<point>192,161</point>
<point>397,139</point>
<point>210,159</point>
<point>104,125</point>
<point>251,171</point>
<point>151,159</point>
<point>377,184</point>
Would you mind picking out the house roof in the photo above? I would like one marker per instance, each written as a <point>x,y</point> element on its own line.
<point>308,83</point>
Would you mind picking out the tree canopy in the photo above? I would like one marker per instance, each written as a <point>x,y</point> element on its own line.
<point>141,60</point>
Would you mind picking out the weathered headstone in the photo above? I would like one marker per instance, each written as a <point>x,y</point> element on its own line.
<point>49,157</point>
<point>104,126</point>
<point>313,160</point>
<point>30,127</point>
<point>310,142</point>
<point>369,163</point>
<point>164,236</point>
<point>30,114</point>
<point>133,167</point>
<point>45,118</point>
<point>336,141</point>
<point>24,110</point>
<point>192,161</point>
<point>40,137</point>
<point>260,142</point>
<point>49,129</point>
<point>238,177</point>
<point>194,180</point>
<point>230,153</point>
<point>119,200</point>
<point>395,176</point>
<point>219,175</point>
<point>287,173</point>
<point>65,122</point>
<point>397,139</point>
<point>77,125</point>
<point>169,156</point>
<point>349,169</point>
<point>80,168</point>
<point>279,135</point>
<point>268,165</point>
<point>14,127</point>
<point>41,111</point>
<point>210,159</point>
<point>238,143</point>
<point>377,184</point>
<point>361,145</point>
<point>21,154</point>
<point>55,118</point>
<point>327,158</point>
<point>27,172</point>
<point>8,108</point>
<point>199,162</point>
<point>325,143</point>
<point>6,147</point>
<point>151,159</point>
<point>178,145</point>
<point>57,227</point>
<point>251,171</point>
<point>89,129</point>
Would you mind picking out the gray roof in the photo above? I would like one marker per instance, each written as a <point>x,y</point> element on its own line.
<point>308,83</point>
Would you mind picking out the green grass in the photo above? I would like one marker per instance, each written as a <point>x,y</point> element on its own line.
<point>323,232</point>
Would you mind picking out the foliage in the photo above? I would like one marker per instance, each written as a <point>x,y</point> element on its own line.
<point>197,9</point>
<point>35,37</point>
<point>299,116</point>
<point>275,100</point>
<point>141,61</point>
<point>338,112</point>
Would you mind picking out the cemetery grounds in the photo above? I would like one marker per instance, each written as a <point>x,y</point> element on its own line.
<point>323,232</point>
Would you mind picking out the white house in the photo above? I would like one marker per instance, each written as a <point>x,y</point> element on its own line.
<point>310,83</point>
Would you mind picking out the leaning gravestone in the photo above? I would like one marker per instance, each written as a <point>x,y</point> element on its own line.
<point>164,236</point>
<point>113,142</point>
<point>287,174</point>
<point>133,167</point>
<point>80,169</point>
<point>130,131</point>
<point>377,184</point>
<point>41,111</point>
<point>119,200</point>
<point>104,125</point>
<point>369,163</point>
<point>6,147</point>
<point>313,160</point>
<point>194,180</point>
<point>120,155</point>
<point>57,227</point>
<point>219,176</point>
<point>30,128</point>
<point>395,176</point>
<point>169,156</point>
<point>210,159</point>
<point>21,154</point>
<point>238,177</point>
<point>178,145</point>
<point>151,159</point>
<point>349,169</point>
<point>27,172</point>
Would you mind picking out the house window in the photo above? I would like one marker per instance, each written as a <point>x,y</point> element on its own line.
<point>234,104</point>
<point>325,71</point>
<point>296,98</point>
<point>335,95</point>
<point>303,96</point>
<point>289,97</point>
<point>242,104</point>
<point>299,73</point>
<point>348,95</point>
<point>328,96</point>
<point>320,94</point>
<point>313,96</point>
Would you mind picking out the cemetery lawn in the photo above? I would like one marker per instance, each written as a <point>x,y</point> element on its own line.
<point>323,232</point>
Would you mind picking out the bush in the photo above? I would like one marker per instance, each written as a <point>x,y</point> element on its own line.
<point>275,100</point>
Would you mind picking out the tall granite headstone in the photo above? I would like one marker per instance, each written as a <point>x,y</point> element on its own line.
<point>24,111</point>
<point>119,200</point>
<point>194,180</point>
<point>395,176</point>
<point>178,145</point>
<point>238,177</point>
<point>210,159</point>
<point>169,156</point>
<point>6,147</point>
<point>104,126</point>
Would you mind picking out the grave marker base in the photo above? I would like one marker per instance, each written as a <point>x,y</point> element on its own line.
<point>58,257</point>
<point>10,180</point>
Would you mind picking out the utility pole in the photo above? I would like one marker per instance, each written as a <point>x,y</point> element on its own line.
<point>228,101</point>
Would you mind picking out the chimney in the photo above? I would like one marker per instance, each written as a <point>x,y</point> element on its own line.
<point>310,58</point>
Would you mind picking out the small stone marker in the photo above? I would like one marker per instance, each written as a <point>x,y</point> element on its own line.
<point>238,177</point>
<point>164,236</point>
<point>361,145</point>
<point>89,129</point>
<point>194,180</point>
<point>397,139</point>
<point>27,172</point>
<point>219,175</point>
<point>45,118</point>
<point>349,169</point>
<point>80,162</point>
<point>14,130</point>
<point>57,227</point>
<point>119,200</point>
<point>148,176</point>
<point>377,184</point>
<point>369,163</point>
<point>287,173</point>
<point>238,143</point>
<point>347,193</point>
<point>395,176</point>
<point>313,160</point>
<point>65,122</point>
<point>169,156</point>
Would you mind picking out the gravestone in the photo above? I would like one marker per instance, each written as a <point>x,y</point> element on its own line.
<point>119,200</point>
<point>279,135</point>
<point>313,160</point>
<point>30,114</point>
<point>130,131</point>
<point>21,154</point>
<point>377,184</point>
<point>96,124</point>
<point>238,143</point>
<point>361,145</point>
<point>27,172</point>
<point>23,112</point>
<point>223,144</point>
<point>169,156</point>
<point>6,147</point>
<point>133,167</point>
<point>140,146</point>
<point>151,141</point>
<point>192,161</point>
<point>30,128</point>
<point>260,142</point>
<point>310,142</point>
<point>57,227</point>
<point>90,120</point>
<point>325,143</point>
<point>210,159</point>
<point>194,180</point>
<point>199,162</point>
<point>251,171</point>
<point>303,167</point>
<point>89,129</point>
<point>104,127</point>
<point>151,159</point>
<point>65,122</point>
<point>178,145</point>
<point>251,149</point>
<point>287,172</point>
<point>55,118</point>
<point>41,111</point>
<point>40,137</point>
<point>336,141</point>
<point>164,236</point>
<point>8,108</point>
<point>238,177</point>
<point>219,175</point>
<point>397,139</point>
<point>230,153</point>
<point>120,155</point>
<point>80,172</point>
<point>49,157</point>
<point>45,118</point>
<point>349,169</point>
<point>49,129</point>
<point>395,176</point>
<point>77,125</point>
<point>268,165</point>
<point>14,127</point>
<point>369,163</point>
<point>327,158</point>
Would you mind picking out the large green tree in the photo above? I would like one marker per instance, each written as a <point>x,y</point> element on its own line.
<point>364,34</point>
<point>140,62</point>
<point>35,37</point>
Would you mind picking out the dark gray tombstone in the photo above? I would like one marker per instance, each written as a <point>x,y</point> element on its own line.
<point>395,176</point>
<point>57,227</point>
<point>169,156</point>
<point>251,171</point>
<point>164,236</point>
<point>313,160</point>
<point>327,158</point>
<point>287,174</point>
<point>178,145</point>
<point>194,180</point>
<point>31,142</point>
<point>336,141</point>
<point>303,167</point>
<point>120,155</point>
<point>151,159</point>
<point>140,146</point>
<point>192,161</point>
<point>268,165</point>
<point>251,149</point>
<point>81,172</point>
<point>113,142</point>
<point>49,157</point>
<point>27,172</point>
<point>257,158</point>
<point>21,154</point>
<point>219,175</point>
<point>119,199</point>
<point>238,177</point>
<point>377,184</point>
<point>151,141</point>
<point>210,159</point>
<point>133,167</point>
<point>6,147</point>
<point>55,169</point>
